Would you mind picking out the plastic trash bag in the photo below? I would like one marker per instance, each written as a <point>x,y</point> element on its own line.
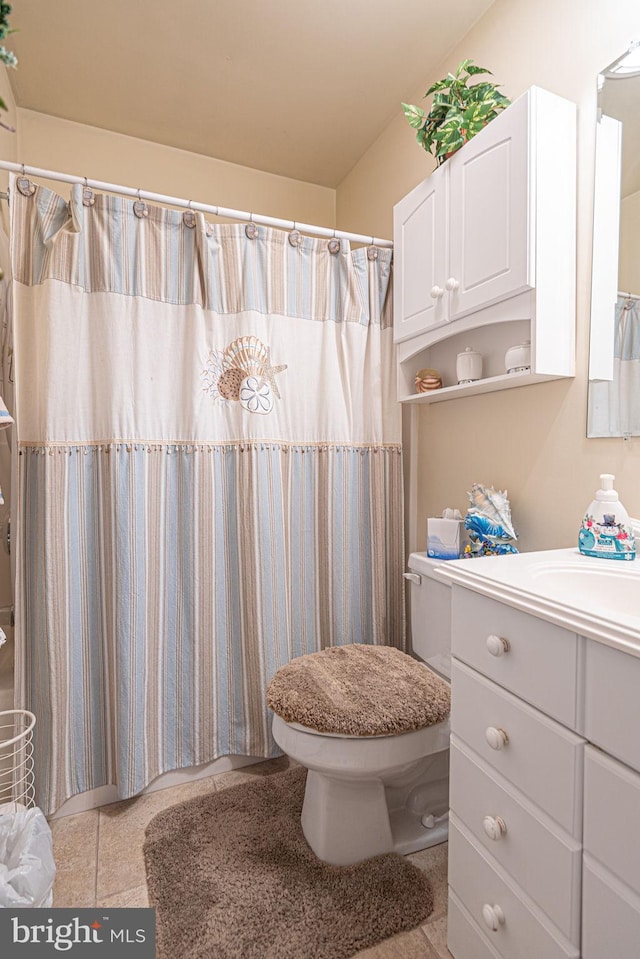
<point>27,867</point>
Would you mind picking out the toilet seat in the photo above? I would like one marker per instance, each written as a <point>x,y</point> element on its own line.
<point>358,756</point>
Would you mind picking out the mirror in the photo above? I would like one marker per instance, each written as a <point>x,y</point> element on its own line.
<point>614,354</point>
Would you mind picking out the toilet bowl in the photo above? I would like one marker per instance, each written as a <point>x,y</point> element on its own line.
<point>371,794</point>
<point>368,795</point>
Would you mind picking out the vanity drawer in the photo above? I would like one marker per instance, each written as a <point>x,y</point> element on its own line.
<point>611,815</point>
<point>540,758</point>
<point>464,939</point>
<point>540,664</point>
<point>612,701</point>
<point>544,863</point>
<point>478,884</point>
<point>610,916</point>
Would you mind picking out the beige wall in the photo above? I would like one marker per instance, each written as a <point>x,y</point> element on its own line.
<point>61,145</point>
<point>530,440</point>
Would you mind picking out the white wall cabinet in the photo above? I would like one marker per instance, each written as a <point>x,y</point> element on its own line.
<point>484,253</point>
<point>544,842</point>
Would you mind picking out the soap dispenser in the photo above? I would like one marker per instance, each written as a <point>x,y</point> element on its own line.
<point>606,531</point>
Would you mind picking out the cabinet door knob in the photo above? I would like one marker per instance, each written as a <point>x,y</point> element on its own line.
<point>493,916</point>
<point>436,292</point>
<point>497,645</point>
<point>496,737</point>
<point>495,827</point>
<point>452,284</point>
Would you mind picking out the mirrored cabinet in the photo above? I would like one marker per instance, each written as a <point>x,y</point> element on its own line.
<point>614,353</point>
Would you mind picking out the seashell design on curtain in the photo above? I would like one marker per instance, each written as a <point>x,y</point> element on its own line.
<point>209,479</point>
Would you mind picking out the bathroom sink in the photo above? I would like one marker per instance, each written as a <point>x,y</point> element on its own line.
<point>593,597</point>
<point>610,586</point>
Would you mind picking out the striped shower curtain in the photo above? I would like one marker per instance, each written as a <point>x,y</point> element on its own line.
<point>614,405</point>
<point>209,478</point>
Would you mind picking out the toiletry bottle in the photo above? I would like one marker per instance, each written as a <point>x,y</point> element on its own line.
<point>606,531</point>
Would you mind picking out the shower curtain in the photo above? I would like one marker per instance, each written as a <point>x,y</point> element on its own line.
<point>614,405</point>
<point>209,479</point>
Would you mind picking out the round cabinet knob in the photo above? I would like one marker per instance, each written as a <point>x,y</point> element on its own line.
<point>452,284</point>
<point>436,292</point>
<point>497,645</point>
<point>495,827</point>
<point>493,916</point>
<point>497,738</point>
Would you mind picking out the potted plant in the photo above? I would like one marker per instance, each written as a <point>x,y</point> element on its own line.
<point>459,110</point>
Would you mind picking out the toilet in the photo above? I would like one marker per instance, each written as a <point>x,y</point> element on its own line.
<point>378,776</point>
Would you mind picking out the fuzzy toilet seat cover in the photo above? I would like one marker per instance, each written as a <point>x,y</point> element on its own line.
<point>359,690</point>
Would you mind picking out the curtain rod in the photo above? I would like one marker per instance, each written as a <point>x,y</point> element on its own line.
<point>23,170</point>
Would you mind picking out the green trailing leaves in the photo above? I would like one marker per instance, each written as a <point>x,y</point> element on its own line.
<point>414,115</point>
<point>459,110</point>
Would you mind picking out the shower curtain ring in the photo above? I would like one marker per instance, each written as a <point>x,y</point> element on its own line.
<point>88,199</point>
<point>251,230</point>
<point>24,184</point>
<point>334,244</point>
<point>372,252</point>
<point>294,237</point>
<point>189,217</point>
<point>140,207</point>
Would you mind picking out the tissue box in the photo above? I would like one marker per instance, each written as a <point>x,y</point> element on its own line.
<point>444,538</point>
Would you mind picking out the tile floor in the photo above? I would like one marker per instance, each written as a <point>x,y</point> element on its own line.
<point>99,861</point>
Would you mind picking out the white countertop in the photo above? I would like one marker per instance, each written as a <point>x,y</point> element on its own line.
<point>597,598</point>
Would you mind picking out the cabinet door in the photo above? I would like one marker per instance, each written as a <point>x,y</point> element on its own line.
<point>420,254</point>
<point>610,915</point>
<point>489,214</point>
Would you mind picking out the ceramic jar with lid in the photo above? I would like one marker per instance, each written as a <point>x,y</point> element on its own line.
<point>469,366</point>
<point>517,359</point>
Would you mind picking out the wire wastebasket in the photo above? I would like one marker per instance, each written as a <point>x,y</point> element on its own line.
<point>27,866</point>
<point>16,757</point>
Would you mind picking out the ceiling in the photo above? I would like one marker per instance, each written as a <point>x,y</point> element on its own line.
<point>299,88</point>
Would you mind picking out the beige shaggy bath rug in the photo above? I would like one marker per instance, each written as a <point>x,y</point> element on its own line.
<point>232,877</point>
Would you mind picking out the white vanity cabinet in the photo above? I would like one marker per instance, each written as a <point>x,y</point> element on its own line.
<point>611,877</point>
<point>544,840</point>
<point>516,782</point>
<point>484,252</point>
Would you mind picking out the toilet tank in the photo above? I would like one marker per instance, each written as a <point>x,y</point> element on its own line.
<point>430,612</point>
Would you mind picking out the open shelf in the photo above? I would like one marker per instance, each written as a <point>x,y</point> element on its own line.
<point>488,385</point>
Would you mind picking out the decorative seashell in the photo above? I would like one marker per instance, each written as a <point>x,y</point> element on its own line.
<point>212,373</point>
<point>229,383</point>
<point>255,395</point>
<point>494,504</point>
<point>427,380</point>
<point>248,354</point>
